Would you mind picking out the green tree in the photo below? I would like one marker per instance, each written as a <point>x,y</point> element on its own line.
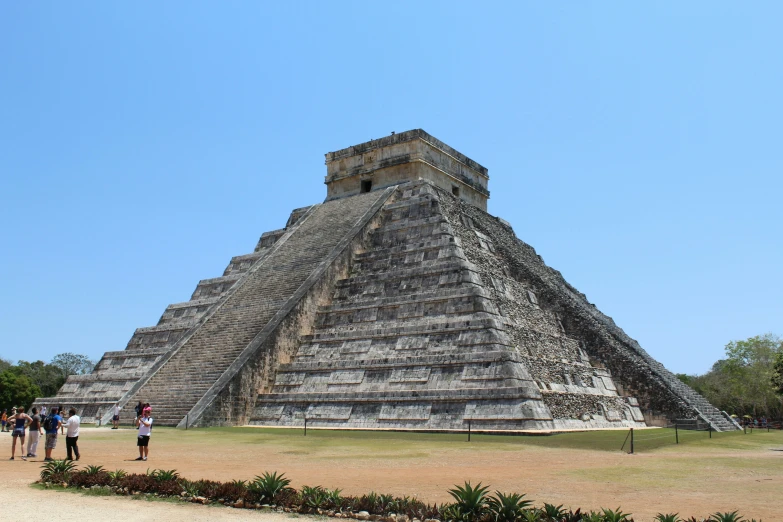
<point>777,373</point>
<point>47,377</point>
<point>16,390</point>
<point>743,382</point>
<point>72,364</point>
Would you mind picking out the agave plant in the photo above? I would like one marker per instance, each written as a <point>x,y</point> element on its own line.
<point>93,470</point>
<point>269,486</point>
<point>668,517</point>
<point>313,498</point>
<point>117,475</point>
<point>333,498</point>
<point>507,507</point>
<point>609,515</point>
<point>734,516</point>
<point>164,475</point>
<point>552,512</point>
<point>191,489</point>
<point>470,502</point>
<point>53,468</point>
<point>532,515</point>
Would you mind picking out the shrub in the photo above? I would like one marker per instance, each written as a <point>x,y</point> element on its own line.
<point>470,503</point>
<point>552,512</point>
<point>669,517</point>
<point>60,469</point>
<point>727,517</point>
<point>117,475</point>
<point>269,487</point>
<point>507,508</point>
<point>164,475</point>
<point>313,498</point>
<point>615,516</point>
<point>233,491</point>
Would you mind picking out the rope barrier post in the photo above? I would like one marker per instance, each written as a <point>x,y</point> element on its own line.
<point>305,430</point>
<point>187,420</point>
<point>676,434</point>
<point>631,441</point>
<point>710,430</point>
<point>468,431</point>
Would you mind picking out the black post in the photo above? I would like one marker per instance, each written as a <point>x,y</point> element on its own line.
<point>676,434</point>
<point>631,441</point>
<point>710,428</point>
<point>305,431</point>
<point>745,428</point>
<point>468,431</point>
<point>187,420</point>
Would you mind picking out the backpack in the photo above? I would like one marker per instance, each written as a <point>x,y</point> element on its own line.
<point>48,423</point>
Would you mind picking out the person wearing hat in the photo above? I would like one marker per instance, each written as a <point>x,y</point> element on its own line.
<point>144,422</point>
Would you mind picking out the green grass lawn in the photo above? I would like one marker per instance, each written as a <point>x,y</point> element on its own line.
<point>411,444</point>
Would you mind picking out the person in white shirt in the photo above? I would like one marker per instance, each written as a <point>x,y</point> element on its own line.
<point>72,435</point>
<point>115,416</point>
<point>144,422</point>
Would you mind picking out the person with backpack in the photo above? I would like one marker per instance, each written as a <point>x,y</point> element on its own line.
<point>52,424</point>
<point>34,434</point>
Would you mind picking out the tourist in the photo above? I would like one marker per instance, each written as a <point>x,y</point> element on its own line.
<point>51,424</point>
<point>144,424</point>
<point>72,436</point>
<point>4,418</point>
<point>62,416</point>
<point>115,415</point>
<point>43,411</point>
<point>19,421</point>
<point>34,434</point>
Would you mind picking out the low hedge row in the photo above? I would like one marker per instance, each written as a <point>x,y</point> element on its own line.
<point>272,491</point>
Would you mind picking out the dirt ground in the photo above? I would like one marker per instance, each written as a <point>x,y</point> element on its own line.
<point>742,473</point>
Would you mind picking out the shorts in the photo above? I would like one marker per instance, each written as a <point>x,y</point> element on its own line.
<point>18,432</point>
<point>143,441</point>
<point>115,418</point>
<point>51,441</point>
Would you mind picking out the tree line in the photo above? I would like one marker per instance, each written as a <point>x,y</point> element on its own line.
<point>748,381</point>
<point>22,382</point>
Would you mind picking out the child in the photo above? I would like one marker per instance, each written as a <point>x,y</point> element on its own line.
<point>145,430</point>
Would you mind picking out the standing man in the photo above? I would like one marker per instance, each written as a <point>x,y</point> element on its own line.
<point>115,417</point>
<point>72,434</point>
<point>34,434</point>
<point>4,419</point>
<point>51,425</point>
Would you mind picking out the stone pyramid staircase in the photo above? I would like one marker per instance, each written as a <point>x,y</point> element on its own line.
<point>413,338</point>
<point>193,368</point>
<point>117,371</point>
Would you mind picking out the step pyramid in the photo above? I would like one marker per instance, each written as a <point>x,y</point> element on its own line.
<point>398,303</point>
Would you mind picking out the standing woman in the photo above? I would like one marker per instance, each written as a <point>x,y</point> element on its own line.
<point>19,422</point>
<point>145,430</point>
<point>34,435</point>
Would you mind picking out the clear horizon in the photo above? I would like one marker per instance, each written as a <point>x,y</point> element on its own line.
<point>636,148</point>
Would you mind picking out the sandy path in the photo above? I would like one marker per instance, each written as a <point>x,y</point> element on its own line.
<point>691,481</point>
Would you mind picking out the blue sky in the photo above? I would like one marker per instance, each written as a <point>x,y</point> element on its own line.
<point>637,148</point>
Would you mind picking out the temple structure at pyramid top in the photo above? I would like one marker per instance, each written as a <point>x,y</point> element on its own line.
<point>400,303</point>
<point>408,156</point>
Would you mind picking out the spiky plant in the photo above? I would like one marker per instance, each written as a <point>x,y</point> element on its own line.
<point>116,475</point>
<point>507,507</point>
<point>269,486</point>
<point>552,512</point>
<point>668,517</point>
<point>470,502</point>
<point>57,468</point>
<point>164,475</point>
<point>616,515</point>
<point>734,516</point>
<point>93,470</point>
